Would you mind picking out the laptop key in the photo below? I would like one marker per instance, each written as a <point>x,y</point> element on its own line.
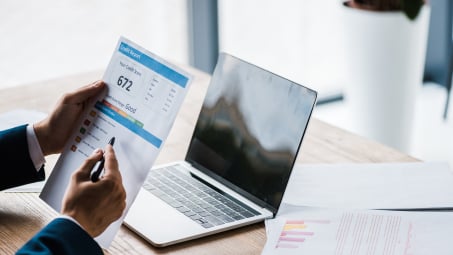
<point>213,220</point>
<point>216,222</point>
<point>247,214</point>
<point>209,199</point>
<point>225,218</point>
<point>189,213</point>
<point>198,210</point>
<point>184,210</point>
<point>206,206</point>
<point>197,217</point>
<point>181,199</point>
<point>175,204</point>
<point>192,207</point>
<point>211,209</point>
<point>187,195</point>
<point>207,225</point>
<point>221,207</point>
<point>228,211</point>
<point>204,214</point>
<point>216,213</point>
<point>237,217</point>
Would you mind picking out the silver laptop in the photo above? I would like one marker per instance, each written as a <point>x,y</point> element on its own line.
<point>239,160</point>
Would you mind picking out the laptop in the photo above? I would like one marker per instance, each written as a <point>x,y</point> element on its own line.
<point>238,162</point>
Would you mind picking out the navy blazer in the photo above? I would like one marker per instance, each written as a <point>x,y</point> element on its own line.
<point>61,236</point>
<point>17,166</point>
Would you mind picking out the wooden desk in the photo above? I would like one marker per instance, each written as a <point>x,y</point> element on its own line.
<point>23,214</point>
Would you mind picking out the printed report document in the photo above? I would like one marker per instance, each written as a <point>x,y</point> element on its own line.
<point>310,230</point>
<point>138,108</point>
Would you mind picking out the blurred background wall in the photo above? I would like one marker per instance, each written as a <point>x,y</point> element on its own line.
<point>303,40</point>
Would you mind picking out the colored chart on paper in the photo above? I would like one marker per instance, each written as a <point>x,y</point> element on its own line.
<point>296,232</point>
<point>127,121</point>
<point>122,113</point>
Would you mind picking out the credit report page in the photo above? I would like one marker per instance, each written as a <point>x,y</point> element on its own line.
<point>143,96</point>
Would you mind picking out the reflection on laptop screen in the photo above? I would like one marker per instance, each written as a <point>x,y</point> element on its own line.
<point>250,129</point>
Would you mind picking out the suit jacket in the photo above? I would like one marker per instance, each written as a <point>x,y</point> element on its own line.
<point>61,236</point>
<point>17,166</point>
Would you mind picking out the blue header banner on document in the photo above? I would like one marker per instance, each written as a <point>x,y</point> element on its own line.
<point>154,65</point>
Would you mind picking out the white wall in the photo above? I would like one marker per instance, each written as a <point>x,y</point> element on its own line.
<point>46,39</point>
<point>299,39</point>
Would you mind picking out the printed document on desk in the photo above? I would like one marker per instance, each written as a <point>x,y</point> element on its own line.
<point>143,96</point>
<point>417,185</point>
<point>309,230</point>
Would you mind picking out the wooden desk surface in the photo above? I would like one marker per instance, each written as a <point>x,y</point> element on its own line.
<point>23,214</point>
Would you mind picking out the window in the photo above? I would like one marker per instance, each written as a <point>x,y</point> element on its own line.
<point>48,39</point>
<point>301,40</point>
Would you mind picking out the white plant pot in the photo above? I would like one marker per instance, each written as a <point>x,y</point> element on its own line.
<point>386,55</point>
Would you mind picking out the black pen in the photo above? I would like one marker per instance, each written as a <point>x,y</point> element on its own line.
<point>95,174</point>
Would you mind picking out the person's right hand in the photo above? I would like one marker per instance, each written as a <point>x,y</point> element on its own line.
<point>95,205</point>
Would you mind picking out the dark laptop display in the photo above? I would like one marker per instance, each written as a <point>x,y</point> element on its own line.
<point>250,129</point>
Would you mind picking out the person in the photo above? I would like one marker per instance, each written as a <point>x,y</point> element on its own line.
<point>88,208</point>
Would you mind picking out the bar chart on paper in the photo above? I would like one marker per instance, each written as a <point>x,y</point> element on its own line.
<point>296,232</point>
<point>308,230</point>
<point>342,234</point>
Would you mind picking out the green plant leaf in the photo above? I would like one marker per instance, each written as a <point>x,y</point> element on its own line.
<point>411,7</point>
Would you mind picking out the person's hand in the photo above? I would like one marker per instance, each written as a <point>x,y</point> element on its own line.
<point>95,205</point>
<point>54,131</point>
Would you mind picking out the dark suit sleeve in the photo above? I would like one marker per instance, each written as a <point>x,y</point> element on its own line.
<point>61,236</point>
<point>17,167</point>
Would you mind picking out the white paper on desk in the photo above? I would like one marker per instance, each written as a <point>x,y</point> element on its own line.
<point>309,230</point>
<point>372,186</point>
<point>139,107</point>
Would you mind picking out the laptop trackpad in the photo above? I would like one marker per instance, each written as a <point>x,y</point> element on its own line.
<point>158,222</point>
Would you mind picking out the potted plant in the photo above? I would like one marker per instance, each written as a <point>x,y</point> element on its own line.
<point>410,7</point>
<point>386,44</point>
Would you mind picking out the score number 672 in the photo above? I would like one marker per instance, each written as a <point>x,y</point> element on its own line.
<point>124,83</point>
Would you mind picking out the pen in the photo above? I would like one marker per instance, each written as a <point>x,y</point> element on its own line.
<point>95,175</point>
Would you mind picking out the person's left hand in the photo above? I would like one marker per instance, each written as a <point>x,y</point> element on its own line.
<point>54,131</point>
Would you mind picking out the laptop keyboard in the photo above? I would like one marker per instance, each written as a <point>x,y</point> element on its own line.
<point>195,199</point>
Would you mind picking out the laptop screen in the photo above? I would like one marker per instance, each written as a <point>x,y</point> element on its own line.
<point>250,129</point>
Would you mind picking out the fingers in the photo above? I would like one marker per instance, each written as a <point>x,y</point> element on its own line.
<point>84,93</point>
<point>88,164</point>
<point>112,176</point>
<point>111,164</point>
